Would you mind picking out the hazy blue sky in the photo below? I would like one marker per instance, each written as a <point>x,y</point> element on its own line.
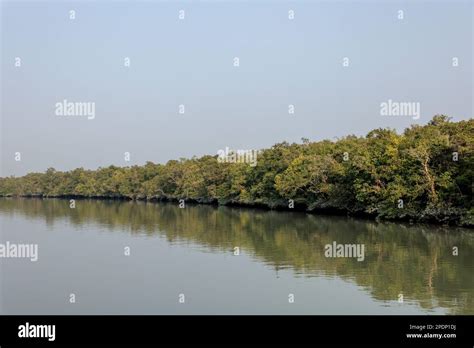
<point>190,62</point>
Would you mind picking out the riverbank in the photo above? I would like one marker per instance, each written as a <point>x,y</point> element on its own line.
<point>183,202</point>
<point>425,174</point>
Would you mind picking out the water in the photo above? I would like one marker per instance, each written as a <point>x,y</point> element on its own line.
<point>190,251</point>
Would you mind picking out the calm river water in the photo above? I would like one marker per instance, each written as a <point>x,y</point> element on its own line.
<point>183,261</point>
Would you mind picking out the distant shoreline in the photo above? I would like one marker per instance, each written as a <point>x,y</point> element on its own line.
<point>261,207</point>
<point>425,174</point>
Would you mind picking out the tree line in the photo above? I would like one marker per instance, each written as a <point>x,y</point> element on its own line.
<point>424,174</point>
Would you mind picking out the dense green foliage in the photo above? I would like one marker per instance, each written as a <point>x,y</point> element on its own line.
<point>424,174</point>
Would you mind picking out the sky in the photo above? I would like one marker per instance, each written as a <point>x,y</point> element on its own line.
<point>190,62</point>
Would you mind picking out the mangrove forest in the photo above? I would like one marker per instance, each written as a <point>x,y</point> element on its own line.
<point>424,174</point>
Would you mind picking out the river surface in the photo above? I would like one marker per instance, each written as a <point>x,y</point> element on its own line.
<point>119,257</point>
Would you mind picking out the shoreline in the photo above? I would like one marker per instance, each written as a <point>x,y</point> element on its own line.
<point>424,175</point>
<point>299,208</point>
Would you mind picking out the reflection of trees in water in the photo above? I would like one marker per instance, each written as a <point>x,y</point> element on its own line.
<point>411,259</point>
